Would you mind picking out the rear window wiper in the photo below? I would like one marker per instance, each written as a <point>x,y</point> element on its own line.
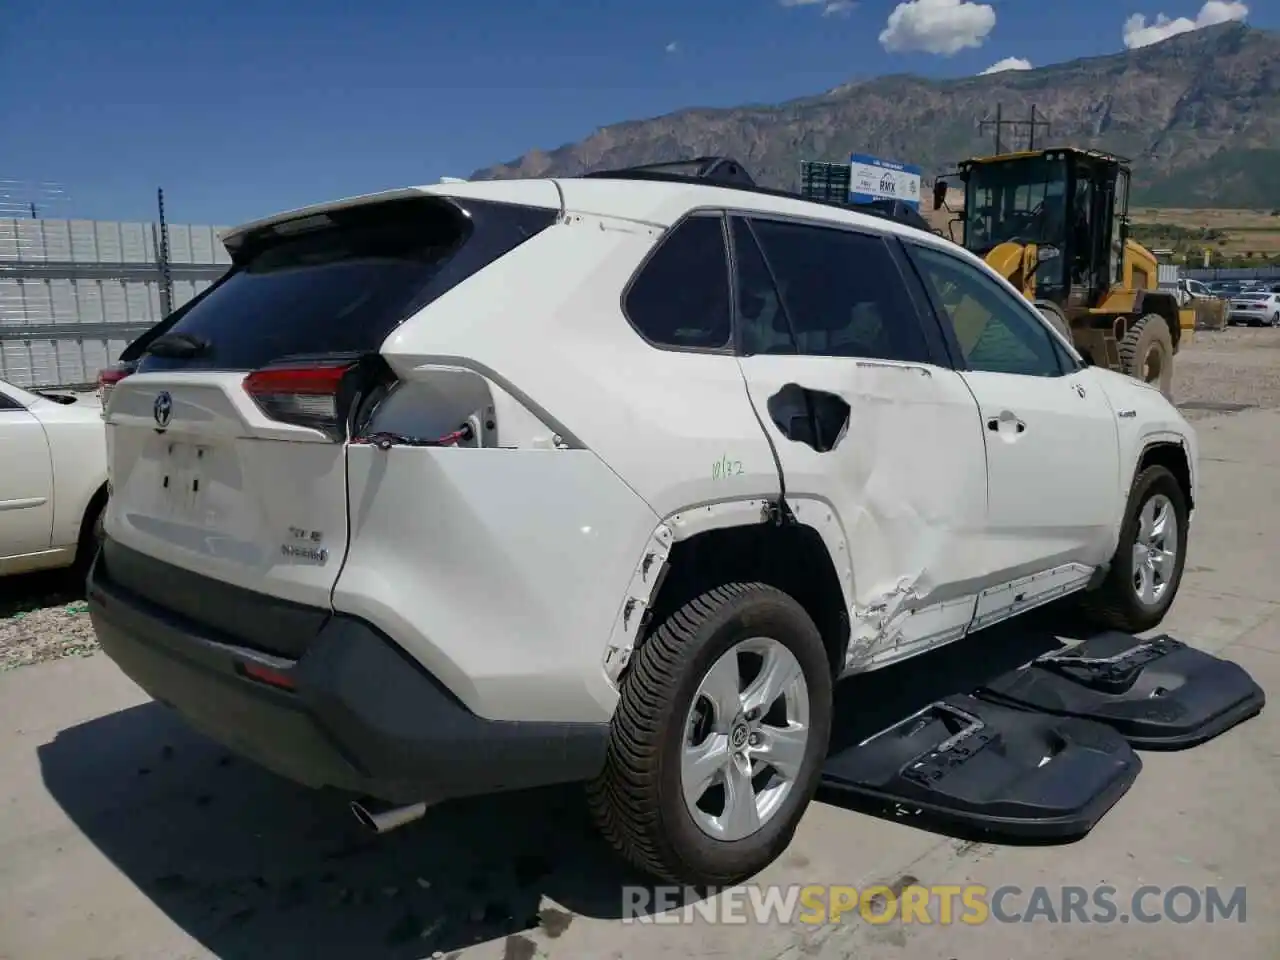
<point>177,345</point>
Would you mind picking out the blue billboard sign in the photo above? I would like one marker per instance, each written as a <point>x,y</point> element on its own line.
<point>871,178</point>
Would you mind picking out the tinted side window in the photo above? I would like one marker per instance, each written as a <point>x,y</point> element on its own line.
<point>841,294</point>
<point>680,298</point>
<point>8,403</point>
<point>762,323</point>
<point>996,333</point>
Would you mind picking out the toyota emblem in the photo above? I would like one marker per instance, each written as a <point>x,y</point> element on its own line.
<point>162,409</point>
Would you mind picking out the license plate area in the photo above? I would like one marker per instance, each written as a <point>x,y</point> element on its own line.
<point>183,469</point>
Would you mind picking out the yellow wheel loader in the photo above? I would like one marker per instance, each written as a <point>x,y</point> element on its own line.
<point>1055,223</point>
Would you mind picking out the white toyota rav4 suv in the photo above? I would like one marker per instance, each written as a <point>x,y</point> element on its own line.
<point>484,486</point>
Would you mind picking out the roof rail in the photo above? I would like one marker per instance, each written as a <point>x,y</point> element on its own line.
<point>726,172</point>
<point>719,170</point>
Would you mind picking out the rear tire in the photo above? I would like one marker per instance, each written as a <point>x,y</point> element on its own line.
<point>91,534</point>
<point>1119,603</point>
<point>1146,352</point>
<point>646,800</point>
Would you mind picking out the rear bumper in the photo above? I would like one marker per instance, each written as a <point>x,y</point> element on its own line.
<point>360,715</point>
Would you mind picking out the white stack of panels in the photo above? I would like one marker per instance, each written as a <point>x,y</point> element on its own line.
<point>69,273</point>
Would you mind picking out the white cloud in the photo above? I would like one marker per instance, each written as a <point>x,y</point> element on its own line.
<point>1138,33</point>
<point>943,27</point>
<point>672,47</point>
<point>829,7</point>
<point>1008,63</point>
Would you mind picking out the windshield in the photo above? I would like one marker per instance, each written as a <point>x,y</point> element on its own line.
<point>1023,201</point>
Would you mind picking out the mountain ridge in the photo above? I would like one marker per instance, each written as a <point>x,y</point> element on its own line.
<point>1199,114</point>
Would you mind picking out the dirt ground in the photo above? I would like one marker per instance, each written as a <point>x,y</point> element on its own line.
<point>125,835</point>
<point>1255,231</point>
<point>1236,366</point>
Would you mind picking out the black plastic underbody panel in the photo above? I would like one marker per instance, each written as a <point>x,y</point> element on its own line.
<point>1160,694</point>
<point>998,771</point>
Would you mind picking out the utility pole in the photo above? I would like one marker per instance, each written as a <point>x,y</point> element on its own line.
<point>162,248</point>
<point>1000,123</point>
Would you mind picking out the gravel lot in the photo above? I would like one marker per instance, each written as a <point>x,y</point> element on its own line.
<point>1237,365</point>
<point>43,617</point>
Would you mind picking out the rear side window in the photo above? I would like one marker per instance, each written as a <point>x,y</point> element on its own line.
<point>345,285</point>
<point>841,294</point>
<point>680,297</point>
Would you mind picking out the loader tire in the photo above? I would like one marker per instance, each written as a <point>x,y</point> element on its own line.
<point>1146,353</point>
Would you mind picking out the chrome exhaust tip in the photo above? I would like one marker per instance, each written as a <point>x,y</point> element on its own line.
<point>381,818</point>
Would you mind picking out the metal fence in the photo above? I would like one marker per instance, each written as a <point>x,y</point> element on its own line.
<point>74,293</point>
<point>1233,273</point>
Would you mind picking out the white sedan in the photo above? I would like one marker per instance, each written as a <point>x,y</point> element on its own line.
<point>1260,309</point>
<point>53,483</point>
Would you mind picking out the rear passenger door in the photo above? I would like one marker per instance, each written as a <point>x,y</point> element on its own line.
<point>1053,463</point>
<point>870,426</point>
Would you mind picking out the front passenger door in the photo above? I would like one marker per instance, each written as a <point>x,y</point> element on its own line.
<point>26,482</point>
<point>1053,463</point>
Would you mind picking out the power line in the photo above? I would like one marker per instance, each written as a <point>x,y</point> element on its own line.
<point>1000,123</point>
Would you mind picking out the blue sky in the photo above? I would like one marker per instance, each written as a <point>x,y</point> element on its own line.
<point>241,109</point>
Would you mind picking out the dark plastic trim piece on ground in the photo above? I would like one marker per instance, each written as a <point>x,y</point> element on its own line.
<point>1160,694</point>
<point>974,767</point>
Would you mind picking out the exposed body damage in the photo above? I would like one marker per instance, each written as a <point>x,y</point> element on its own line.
<point>904,485</point>
<point>892,476</point>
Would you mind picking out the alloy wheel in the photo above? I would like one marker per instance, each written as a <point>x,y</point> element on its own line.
<point>744,739</point>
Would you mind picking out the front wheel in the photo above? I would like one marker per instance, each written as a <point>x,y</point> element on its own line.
<point>1275,319</point>
<point>1146,569</point>
<point>718,738</point>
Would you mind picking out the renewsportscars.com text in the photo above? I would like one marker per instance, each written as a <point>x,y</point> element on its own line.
<point>969,904</point>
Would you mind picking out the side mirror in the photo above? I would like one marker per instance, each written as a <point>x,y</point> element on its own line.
<point>939,193</point>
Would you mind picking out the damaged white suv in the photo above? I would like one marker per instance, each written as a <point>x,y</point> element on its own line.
<point>485,486</point>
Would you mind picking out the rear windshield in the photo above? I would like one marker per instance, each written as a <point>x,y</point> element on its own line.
<point>343,286</point>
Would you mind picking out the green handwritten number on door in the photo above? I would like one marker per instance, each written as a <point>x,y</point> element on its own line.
<point>724,468</point>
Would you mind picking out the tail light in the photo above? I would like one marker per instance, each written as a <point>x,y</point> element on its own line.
<point>321,395</point>
<point>108,378</point>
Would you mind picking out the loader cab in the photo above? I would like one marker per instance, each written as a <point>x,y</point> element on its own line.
<point>1072,204</point>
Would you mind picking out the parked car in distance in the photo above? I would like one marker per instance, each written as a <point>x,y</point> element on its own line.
<point>605,480</point>
<point>53,479</point>
<point>1259,309</point>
